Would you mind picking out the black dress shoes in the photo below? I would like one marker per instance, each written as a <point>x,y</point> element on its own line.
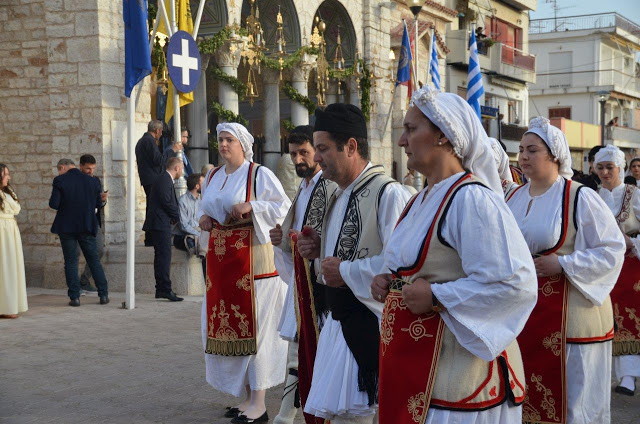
<point>624,391</point>
<point>74,302</point>
<point>241,419</point>
<point>104,299</point>
<point>168,295</point>
<point>231,412</point>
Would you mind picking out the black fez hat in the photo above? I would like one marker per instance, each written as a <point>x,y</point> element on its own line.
<point>341,118</point>
<point>305,130</point>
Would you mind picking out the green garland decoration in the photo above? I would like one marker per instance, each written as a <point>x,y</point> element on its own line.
<point>293,59</point>
<point>158,60</point>
<point>226,114</point>
<point>296,96</point>
<point>288,125</point>
<point>365,88</point>
<point>238,86</point>
<point>212,44</point>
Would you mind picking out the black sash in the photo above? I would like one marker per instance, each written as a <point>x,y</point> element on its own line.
<point>361,332</point>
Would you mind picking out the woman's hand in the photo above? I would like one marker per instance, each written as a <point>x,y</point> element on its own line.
<point>380,287</point>
<point>275,234</point>
<point>547,265</point>
<point>417,296</point>
<point>206,223</point>
<point>241,211</point>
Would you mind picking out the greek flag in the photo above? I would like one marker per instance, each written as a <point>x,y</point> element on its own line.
<point>474,83</point>
<point>433,66</point>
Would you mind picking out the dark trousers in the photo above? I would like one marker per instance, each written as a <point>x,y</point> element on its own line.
<point>178,243</point>
<point>161,241</point>
<point>87,242</point>
<point>147,192</point>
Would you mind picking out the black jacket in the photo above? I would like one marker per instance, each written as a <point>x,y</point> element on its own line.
<point>149,159</point>
<point>76,197</point>
<point>163,205</point>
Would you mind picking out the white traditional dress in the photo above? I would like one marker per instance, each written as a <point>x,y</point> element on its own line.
<point>486,310</point>
<point>592,269</point>
<point>230,374</point>
<point>13,287</point>
<point>334,391</point>
<point>288,325</point>
<point>619,204</point>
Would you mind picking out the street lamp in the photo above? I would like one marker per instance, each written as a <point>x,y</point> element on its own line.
<point>603,96</point>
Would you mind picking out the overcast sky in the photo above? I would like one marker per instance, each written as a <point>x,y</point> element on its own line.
<point>630,9</point>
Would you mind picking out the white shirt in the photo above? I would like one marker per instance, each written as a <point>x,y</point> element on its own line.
<point>487,309</point>
<point>358,274</point>
<point>226,190</point>
<point>595,264</point>
<point>614,198</point>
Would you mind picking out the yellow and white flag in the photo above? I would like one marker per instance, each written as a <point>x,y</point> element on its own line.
<point>185,23</point>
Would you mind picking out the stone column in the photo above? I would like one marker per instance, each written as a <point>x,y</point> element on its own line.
<point>332,91</point>
<point>299,81</point>
<point>271,117</point>
<point>198,147</point>
<point>228,62</point>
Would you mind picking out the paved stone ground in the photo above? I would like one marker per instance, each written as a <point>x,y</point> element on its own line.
<point>102,364</point>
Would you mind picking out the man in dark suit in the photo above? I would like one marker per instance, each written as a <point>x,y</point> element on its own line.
<point>172,151</point>
<point>162,212</point>
<point>88,167</point>
<point>149,160</point>
<point>76,197</point>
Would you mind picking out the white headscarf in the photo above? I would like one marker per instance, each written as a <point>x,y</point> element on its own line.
<point>502,160</point>
<point>611,153</point>
<point>557,142</point>
<point>462,127</point>
<point>241,133</point>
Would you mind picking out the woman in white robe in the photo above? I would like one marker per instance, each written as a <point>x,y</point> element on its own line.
<point>488,308</point>
<point>223,195</point>
<point>609,164</point>
<point>13,287</point>
<point>592,268</point>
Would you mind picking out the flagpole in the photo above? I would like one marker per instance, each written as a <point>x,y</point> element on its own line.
<point>130,298</point>
<point>432,33</point>
<point>153,36</point>
<point>165,17</point>
<point>386,122</point>
<point>196,26</point>
<point>176,95</point>
<point>415,56</point>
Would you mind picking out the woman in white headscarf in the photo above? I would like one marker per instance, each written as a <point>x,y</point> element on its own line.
<point>462,281</point>
<point>504,170</point>
<point>624,201</point>
<point>241,201</point>
<point>578,252</point>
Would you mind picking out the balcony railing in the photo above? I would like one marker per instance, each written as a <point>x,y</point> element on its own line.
<point>583,22</point>
<point>513,132</point>
<point>497,58</point>
<point>629,135</point>
<point>518,58</point>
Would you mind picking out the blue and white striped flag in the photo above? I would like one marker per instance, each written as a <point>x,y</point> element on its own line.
<point>433,66</point>
<point>474,83</point>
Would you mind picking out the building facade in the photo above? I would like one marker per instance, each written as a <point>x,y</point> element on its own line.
<point>581,61</point>
<point>62,95</point>
<point>508,68</point>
